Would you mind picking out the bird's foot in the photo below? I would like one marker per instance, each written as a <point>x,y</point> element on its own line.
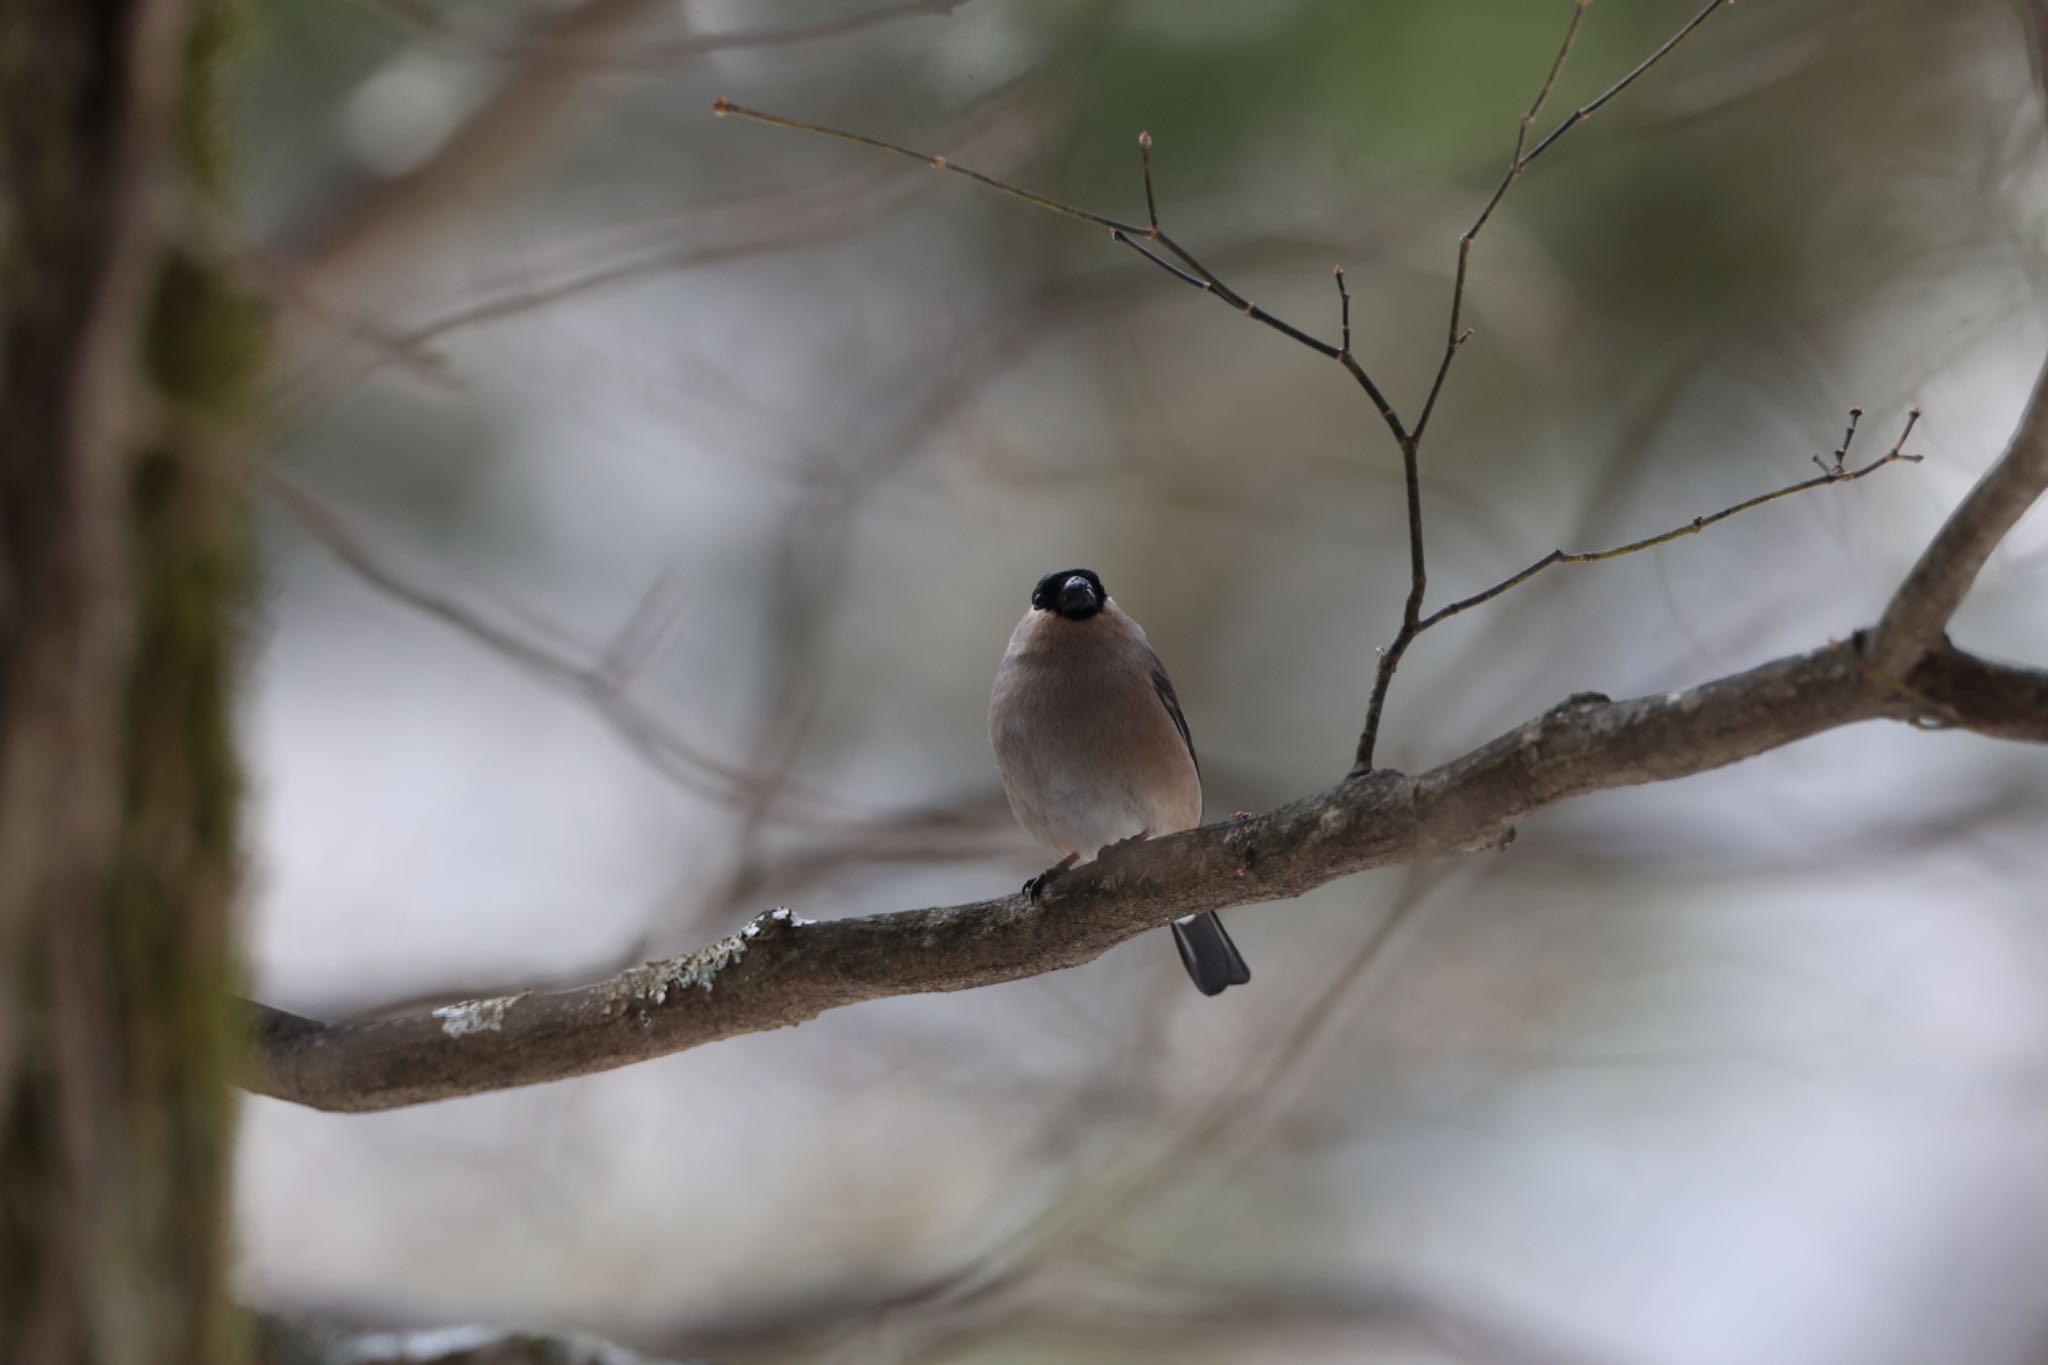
<point>1037,885</point>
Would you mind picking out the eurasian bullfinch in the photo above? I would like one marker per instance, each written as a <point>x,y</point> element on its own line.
<point>1093,749</point>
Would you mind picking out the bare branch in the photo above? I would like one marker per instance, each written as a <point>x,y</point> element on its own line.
<point>780,971</point>
<point>1250,1098</point>
<point>1830,474</point>
<point>675,242</point>
<point>555,63</point>
<point>1587,110</point>
<point>724,107</point>
<point>1454,338</point>
<point>366,226</point>
<point>1343,307</point>
<point>1145,169</point>
<point>536,645</point>
<point>1411,609</point>
<point>1185,268</point>
<point>1190,271</point>
<point>654,54</point>
<point>1918,611</point>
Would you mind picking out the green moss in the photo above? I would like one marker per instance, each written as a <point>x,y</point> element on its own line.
<point>168,907</point>
<point>204,340</point>
<point>220,32</point>
<point>169,903</point>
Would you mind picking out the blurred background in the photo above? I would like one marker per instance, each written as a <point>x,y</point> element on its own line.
<point>650,497</point>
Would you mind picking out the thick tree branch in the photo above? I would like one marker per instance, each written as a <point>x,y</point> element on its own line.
<point>780,971</point>
<point>1918,611</point>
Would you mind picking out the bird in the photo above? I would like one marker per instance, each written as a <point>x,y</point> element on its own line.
<point>1093,749</point>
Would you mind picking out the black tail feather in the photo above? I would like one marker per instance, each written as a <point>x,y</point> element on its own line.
<point>1208,954</point>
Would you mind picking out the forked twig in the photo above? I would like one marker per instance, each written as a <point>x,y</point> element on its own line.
<point>1152,242</point>
<point>1189,270</point>
<point>1456,335</point>
<point>1830,474</point>
<point>1453,338</point>
<point>1519,162</point>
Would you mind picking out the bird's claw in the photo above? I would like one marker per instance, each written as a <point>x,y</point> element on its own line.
<point>1036,886</point>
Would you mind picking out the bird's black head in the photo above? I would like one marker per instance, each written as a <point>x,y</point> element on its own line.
<point>1076,594</point>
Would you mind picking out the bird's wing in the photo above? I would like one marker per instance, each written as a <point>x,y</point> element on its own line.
<point>1163,685</point>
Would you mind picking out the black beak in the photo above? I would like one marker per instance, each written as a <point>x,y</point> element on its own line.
<point>1077,598</point>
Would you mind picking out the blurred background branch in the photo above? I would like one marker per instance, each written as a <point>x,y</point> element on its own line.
<point>602,675</point>
<point>373,228</point>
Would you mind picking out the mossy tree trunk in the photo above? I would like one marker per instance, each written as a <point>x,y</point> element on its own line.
<point>122,556</point>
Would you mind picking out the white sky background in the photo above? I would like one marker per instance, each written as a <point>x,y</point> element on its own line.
<point>1744,1068</point>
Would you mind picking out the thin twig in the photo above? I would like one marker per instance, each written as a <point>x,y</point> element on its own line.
<point>1587,110</point>
<point>1145,168</point>
<point>1119,236</point>
<point>810,581</point>
<point>544,650</point>
<point>1190,271</point>
<point>646,631</point>
<point>671,242</point>
<point>723,107</point>
<point>1455,337</point>
<point>1250,1097</point>
<point>1135,1175</point>
<point>1849,437</point>
<point>1411,608</point>
<point>552,74</point>
<point>1344,308</point>
<point>1829,475</point>
<point>1518,161</point>
<point>427,22</point>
